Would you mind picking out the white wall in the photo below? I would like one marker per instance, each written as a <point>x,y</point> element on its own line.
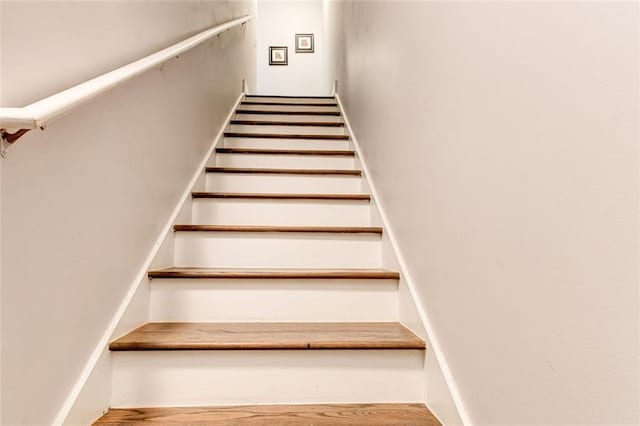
<point>1,315</point>
<point>278,23</point>
<point>84,201</point>
<point>503,139</point>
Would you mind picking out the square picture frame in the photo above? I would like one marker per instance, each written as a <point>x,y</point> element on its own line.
<point>304,43</point>
<point>278,55</point>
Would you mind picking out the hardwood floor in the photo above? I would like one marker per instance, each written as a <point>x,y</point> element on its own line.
<point>278,415</point>
<point>380,274</point>
<point>290,229</point>
<point>249,170</point>
<point>282,196</point>
<point>290,97</point>
<point>268,335</point>
<point>287,123</point>
<point>284,136</point>
<point>289,103</point>
<point>306,152</point>
<point>263,112</point>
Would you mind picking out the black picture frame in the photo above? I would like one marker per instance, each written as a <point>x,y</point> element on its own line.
<point>309,49</point>
<point>285,61</point>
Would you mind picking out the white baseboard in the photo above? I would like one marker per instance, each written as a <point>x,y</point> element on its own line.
<point>432,341</point>
<point>98,352</point>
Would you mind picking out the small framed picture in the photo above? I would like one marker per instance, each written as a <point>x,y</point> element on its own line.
<point>278,55</point>
<point>304,43</point>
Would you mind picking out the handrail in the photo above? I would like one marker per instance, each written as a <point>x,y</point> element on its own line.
<point>40,113</point>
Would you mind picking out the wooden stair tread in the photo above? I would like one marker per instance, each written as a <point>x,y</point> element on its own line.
<point>378,274</point>
<point>289,103</point>
<point>281,415</point>
<point>295,229</point>
<point>269,151</point>
<point>289,97</point>
<point>345,172</point>
<point>287,123</point>
<point>284,136</point>
<point>267,335</point>
<point>283,112</point>
<point>282,196</point>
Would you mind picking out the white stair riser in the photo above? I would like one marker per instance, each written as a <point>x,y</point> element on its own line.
<point>314,184</point>
<point>285,144</point>
<point>201,378</point>
<point>283,117</point>
<point>284,300</point>
<point>277,250</point>
<point>291,100</point>
<point>280,212</point>
<point>314,108</point>
<point>285,161</point>
<point>298,130</point>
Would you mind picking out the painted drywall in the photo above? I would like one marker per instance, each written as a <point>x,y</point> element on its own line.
<point>86,199</point>
<point>1,233</point>
<point>437,392</point>
<point>278,23</point>
<point>502,138</point>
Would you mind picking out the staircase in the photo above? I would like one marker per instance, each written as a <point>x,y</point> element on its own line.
<point>277,295</point>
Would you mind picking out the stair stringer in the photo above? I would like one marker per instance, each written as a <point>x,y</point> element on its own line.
<point>442,395</point>
<point>90,395</point>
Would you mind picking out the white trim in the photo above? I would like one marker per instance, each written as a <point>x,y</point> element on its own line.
<point>115,320</point>
<point>435,346</point>
<point>42,112</point>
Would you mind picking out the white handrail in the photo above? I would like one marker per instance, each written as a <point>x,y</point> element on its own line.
<point>42,112</point>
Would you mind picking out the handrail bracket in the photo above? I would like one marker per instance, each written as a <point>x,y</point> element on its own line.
<point>7,139</point>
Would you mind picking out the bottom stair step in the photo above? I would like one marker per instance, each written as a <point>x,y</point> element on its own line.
<point>284,415</point>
